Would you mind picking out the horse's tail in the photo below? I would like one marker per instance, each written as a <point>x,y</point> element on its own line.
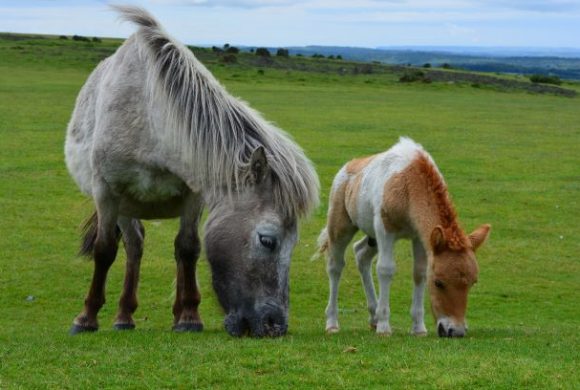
<point>323,243</point>
<point>89,235</point>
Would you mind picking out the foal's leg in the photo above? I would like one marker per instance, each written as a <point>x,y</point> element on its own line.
<point>104,253</point>
<point>133,235</point>
<point>419,277</point>
<point>187,248</point>
<point>385,272</point>
<point>364,251</point>
<point>340,232</point>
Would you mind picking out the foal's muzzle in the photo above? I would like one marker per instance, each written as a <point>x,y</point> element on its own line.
<point>268,320</point>
<point>450,329</point>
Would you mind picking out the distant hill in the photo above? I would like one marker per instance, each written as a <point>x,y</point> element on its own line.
<point>564,63</point>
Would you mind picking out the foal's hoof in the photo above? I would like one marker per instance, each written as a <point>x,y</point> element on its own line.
<point>332,330</point>
<point>76,329</point>
<point>126,326</point>
<point>188,327</point>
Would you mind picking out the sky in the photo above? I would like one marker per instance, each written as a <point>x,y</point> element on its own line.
<point>284,23</point>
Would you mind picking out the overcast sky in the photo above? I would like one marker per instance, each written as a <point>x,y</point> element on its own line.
<point>278,23</point>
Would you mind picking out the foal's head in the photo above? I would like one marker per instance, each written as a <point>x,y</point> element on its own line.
<point>249,244</point>
<point>453,270</point>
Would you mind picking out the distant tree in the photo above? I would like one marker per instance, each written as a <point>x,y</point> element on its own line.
<point>63,37</point>
<point>262,52</point>
<point>316,55</point>
<point>427,65</point>
<point>331,57</point>
<point>95,39</point>
<point>252,50</point>
<point>216,49</point>
<point>339,57</point>
<point>446,66</point>
<point>282,53</point>
<point>226,46</point>
<point>232,50</point>
<point>80,38</point>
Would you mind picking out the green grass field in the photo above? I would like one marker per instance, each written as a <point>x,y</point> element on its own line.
<point>510,159</point>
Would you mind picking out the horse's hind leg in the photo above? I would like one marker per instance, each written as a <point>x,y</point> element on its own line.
<point>104,251</point>
<point>364,251</point>
<point>133,235</point>
<point>187,248</point>
<point>419,277</point>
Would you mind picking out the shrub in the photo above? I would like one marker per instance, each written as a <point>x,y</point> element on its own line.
<point>216,49</point>
<point>446,66</point>
<point>544,79</point>
<point>316,55</point>
<point>331,57</point>
<point>282,53</point>
<point>262,52</point>
<point>412,76</point>
<point>339,57</point>
<point>63,37</point>
<point>232,50</point>
<point>229,58</point>
<point>95,39</point>
<point>427,65</point>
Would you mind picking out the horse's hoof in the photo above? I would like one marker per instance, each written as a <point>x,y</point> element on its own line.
<point>332,330</point>
<point>126,326</point>
<point>188,327</point>
<point>76,329</point>
<point>419,334</point>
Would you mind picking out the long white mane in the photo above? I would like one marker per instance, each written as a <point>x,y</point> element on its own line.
<point>217,130</point>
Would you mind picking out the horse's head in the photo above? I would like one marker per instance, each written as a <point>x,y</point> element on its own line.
<point>249,244</point>
<point>453,270</point>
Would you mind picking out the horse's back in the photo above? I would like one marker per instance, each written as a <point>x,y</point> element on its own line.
<point>361,182</point>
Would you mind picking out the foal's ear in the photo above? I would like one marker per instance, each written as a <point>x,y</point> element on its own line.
<point>258,165</point>
<point>479,236</point>
<point>438,242</point>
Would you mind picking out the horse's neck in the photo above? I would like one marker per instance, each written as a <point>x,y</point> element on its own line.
<point>428,210</point>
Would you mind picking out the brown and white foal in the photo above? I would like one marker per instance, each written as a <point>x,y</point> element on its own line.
<point>397,194</point>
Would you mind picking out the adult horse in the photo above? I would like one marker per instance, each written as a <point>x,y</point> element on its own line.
<point>154,135</point>
<point>400,193</point>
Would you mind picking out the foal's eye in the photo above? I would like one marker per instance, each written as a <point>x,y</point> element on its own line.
<point>268,241</point>
<point>439,284</point>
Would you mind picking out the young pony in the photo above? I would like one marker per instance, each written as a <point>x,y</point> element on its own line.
<point>397,194</point>
<point>154,135</point>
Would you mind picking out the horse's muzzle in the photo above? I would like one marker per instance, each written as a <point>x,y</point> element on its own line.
<point>267,320</point>
<point>450,331</point>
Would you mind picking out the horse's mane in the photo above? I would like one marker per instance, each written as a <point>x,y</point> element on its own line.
<point>218,131</point>
<point>454,235</point>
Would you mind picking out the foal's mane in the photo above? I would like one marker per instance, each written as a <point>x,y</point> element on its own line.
<point>454,235</point>
<point>218,131</point>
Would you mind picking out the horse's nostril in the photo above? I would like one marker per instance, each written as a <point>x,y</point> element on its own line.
<point>450,332</point>
<point>441,330</point>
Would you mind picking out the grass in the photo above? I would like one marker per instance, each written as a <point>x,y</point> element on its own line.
<point>510,159</point>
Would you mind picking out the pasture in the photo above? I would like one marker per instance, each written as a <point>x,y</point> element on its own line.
<point>510,159</point>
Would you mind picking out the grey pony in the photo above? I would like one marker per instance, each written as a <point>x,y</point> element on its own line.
<point>154,135</point>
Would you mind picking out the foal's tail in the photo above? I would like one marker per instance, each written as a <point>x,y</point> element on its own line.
<point>323,243</point>
<point>89,235</point>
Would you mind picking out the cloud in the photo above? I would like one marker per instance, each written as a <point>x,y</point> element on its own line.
<point>227,3</point>
<point>556,6</point>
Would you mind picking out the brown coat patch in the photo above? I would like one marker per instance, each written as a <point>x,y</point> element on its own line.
<point>358,164</point>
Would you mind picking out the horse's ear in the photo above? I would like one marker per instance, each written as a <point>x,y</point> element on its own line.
<point>479,236</point>
<point>438,242</point>
<point>258,165</point>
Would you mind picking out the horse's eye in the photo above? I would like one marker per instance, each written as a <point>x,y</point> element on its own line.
<point>268,241</point>
<point>439,284</point>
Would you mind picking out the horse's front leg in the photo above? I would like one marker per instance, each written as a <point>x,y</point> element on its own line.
<point>133,236</point>
<point>385,272</point>
<point>104,249</point>
<point>187,249</point>
<point>419,277</point>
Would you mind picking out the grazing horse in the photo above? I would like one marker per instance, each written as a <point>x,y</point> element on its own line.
<point>397,194</point>
<point>154,135</point>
